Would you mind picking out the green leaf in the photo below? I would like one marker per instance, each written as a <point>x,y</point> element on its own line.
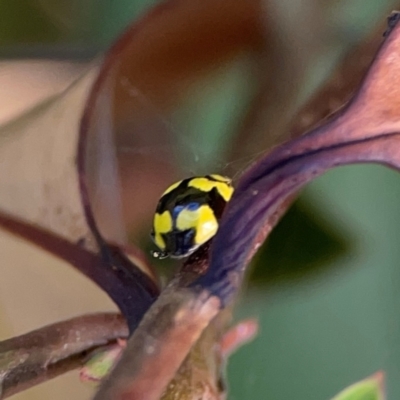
<point>101,363</point>
<point>367,389</point>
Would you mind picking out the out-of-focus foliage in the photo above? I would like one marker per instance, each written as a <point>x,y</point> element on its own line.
<point>66,28</point>
<point>304,242</point>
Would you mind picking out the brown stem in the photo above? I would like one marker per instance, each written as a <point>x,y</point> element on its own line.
<point>164,337</point>
<point>45,353</point>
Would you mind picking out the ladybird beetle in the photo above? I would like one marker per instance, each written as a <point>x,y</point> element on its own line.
<point>187,214</point>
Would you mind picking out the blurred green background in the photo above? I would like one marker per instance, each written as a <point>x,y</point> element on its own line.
<point>326,285</point>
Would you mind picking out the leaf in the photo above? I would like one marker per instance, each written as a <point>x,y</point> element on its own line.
<point>131,289</point>
<point>367,389</point>
<point>101,363</point>
<point>366,130</point>
<point>44,197</point>
<point>244,226</point>
<point>144,75</point>
<point>38,176</point>
<point>41,199</point>
<point>161,64</point>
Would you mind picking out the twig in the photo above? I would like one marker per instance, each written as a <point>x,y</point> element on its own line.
<point>45,353</point>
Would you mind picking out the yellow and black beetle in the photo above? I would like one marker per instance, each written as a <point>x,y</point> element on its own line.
<point>187,214</point>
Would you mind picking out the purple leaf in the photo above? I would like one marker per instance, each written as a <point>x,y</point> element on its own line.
<point>130,288</point>
<point>41,199</point>
<point>164,334</point>
<point>366,130</point>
